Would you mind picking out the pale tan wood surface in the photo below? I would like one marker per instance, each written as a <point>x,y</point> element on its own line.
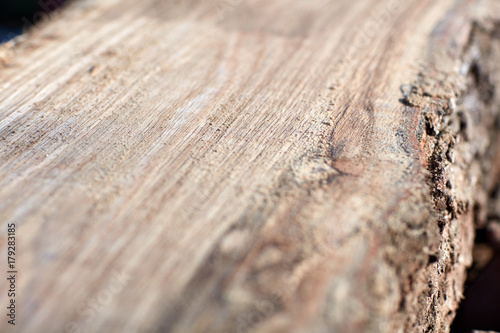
<point>250,168</point>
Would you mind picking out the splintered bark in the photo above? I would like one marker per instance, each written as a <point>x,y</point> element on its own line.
<point>247,166</point>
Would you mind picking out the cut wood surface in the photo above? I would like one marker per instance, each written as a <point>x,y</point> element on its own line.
<point>246,166</point>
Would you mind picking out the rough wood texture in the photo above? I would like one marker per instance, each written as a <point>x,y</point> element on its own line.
<point>246,166</point>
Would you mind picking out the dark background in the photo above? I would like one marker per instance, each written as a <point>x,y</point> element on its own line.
<point>18,15</point>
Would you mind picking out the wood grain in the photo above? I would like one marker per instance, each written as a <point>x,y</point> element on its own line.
<point>245,166</point>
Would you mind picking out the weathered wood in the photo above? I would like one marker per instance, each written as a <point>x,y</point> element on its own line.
<point>237,166</point>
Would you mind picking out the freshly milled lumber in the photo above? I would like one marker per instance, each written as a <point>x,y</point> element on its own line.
<point>247,166</point>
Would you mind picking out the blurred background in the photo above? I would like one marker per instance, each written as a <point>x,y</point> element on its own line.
<point>19,15</point>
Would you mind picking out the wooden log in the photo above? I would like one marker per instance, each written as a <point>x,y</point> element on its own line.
<point>247,165</point>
